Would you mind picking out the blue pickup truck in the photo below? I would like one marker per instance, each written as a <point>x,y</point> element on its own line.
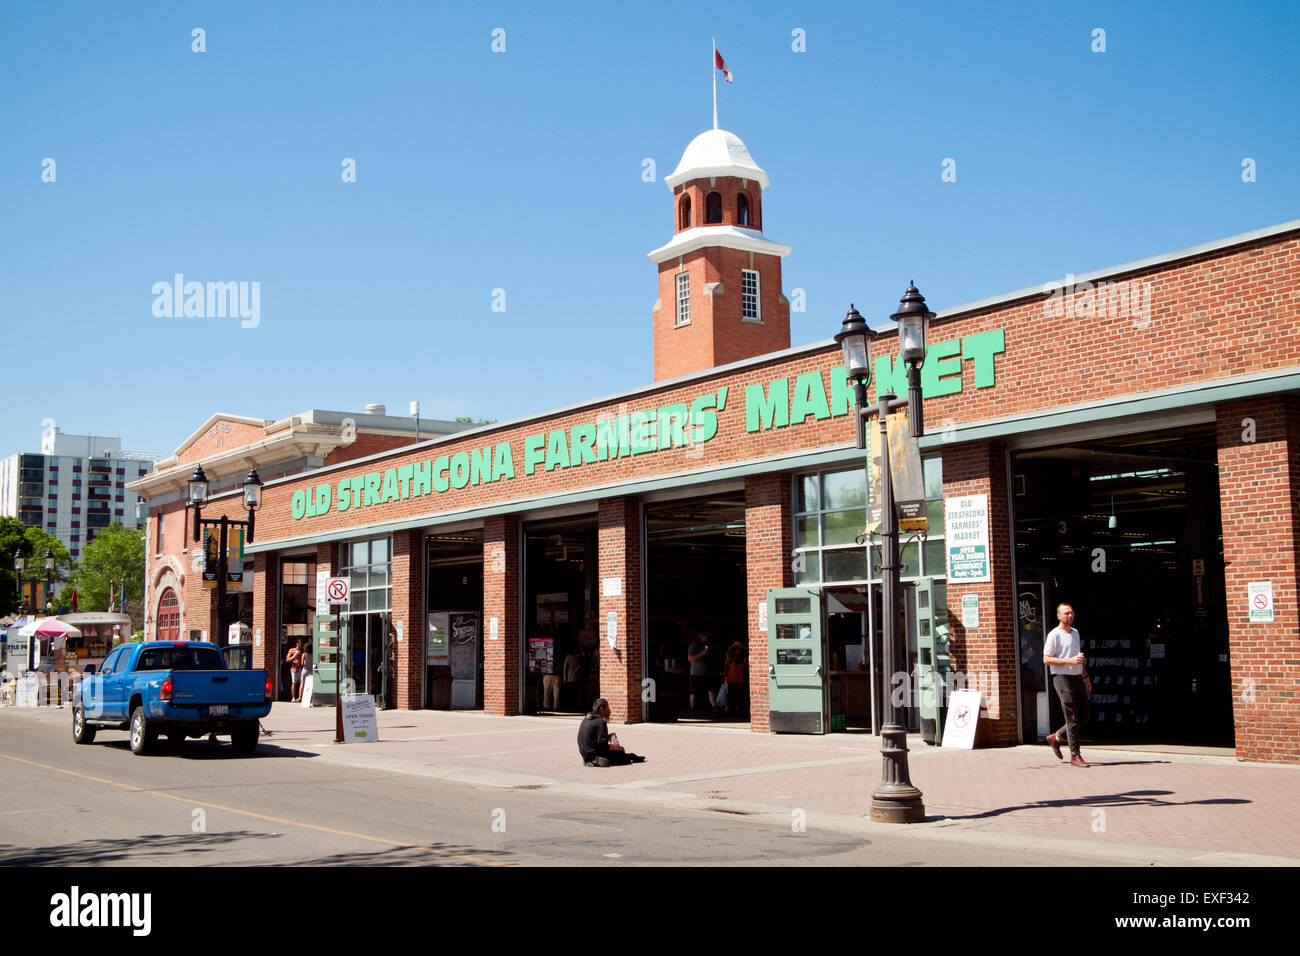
<point>176,688</point>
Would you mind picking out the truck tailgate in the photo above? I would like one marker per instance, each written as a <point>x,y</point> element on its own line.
<point>240,688</point>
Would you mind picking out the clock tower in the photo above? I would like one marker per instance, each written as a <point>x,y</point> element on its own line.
<point>720,297</point>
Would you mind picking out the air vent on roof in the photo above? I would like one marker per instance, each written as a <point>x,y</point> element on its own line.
<point>376,410</point>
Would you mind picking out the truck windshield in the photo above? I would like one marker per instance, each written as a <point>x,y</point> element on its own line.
<point>181,659</point>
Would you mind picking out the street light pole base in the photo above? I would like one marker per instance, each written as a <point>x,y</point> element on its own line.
<point>897,808</point>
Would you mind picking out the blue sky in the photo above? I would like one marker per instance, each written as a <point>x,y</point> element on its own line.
<point>522,170</point>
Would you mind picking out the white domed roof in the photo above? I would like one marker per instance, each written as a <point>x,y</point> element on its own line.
<point>716,152</point>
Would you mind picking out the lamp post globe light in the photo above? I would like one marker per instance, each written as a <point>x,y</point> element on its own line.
<point>895,800</point>
<point>197,497</point>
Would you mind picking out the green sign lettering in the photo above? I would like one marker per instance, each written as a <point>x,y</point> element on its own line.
<point>776,404</point>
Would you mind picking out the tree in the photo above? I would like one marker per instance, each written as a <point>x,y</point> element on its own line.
<point>12,539</point>
<point>32,542</point>
<point>115,556</point>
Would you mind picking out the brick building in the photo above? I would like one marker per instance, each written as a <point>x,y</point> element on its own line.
<point>1127,440</point>
<point>227,446</point>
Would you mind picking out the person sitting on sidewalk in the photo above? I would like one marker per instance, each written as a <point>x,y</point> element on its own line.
<point>598,747</point>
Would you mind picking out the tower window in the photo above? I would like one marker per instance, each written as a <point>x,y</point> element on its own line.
<point>685,213</point>
<point>713,208</point>
<point>749,304</point>
<point>683,299</point>
<point>742,210</point>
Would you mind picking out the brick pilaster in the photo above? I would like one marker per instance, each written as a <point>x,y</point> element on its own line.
<point>266,610</point>
<point>769,541</point>
<point>987,655</point>
<point>1259,494</point>
<point>501,599</point>
<point>408,607</point>
<point>621,667</point>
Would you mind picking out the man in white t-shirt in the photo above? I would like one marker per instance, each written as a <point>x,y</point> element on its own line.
<point>1063,656</point>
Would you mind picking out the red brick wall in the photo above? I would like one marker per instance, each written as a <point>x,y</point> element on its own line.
<point>621,667</point>
<point>769,547</point>
<point>164,573</point>
<point>987,654</point>
<point>501,599</point>
<point>369,445</point>
<point>716,335</point>
<point>1259,493</point>
<point>215,440</point>
<point>408,607</point>
<point>266,611</point>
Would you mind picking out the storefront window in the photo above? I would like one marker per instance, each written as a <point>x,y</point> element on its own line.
<point>830,513</point>
<point>366,629</point>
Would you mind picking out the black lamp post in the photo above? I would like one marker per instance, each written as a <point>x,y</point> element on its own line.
<point>49,577</point>
<point>198,495</point>
<point>895,800</point>
<point>20,565</point>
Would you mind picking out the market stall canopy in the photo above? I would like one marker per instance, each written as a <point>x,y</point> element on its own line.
<point>54,628</point>
<point>83,618</point>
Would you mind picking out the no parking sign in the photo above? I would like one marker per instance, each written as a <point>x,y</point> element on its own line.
<point>338,591</point>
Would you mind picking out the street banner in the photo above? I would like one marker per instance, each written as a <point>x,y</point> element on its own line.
<point>235,558</point>
<point>909,481</point>
<point>211,557</point>
<point>874,489</point>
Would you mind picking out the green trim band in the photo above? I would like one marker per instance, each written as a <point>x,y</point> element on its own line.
<point>1204,393</point>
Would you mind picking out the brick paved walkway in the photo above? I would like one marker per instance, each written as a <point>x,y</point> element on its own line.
<point>1215,804</point>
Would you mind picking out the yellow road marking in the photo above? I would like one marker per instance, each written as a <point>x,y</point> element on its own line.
<point>258,816</point>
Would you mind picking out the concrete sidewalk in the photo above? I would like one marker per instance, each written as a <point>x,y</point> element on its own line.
<point>1129,807</point>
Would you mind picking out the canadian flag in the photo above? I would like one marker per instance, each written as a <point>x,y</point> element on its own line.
<point>721,64</point>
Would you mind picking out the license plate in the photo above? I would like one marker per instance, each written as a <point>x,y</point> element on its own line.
<point>219,710</point>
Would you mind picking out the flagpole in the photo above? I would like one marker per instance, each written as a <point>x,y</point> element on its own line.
<point>713,64</point>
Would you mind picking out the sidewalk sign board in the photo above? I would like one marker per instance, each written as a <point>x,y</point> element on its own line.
<point>963,717</point>
<point>360,724</point>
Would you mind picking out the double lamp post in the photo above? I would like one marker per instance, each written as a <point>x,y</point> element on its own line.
<point>20,565</point>
<point>895,800</point>
<point>198,496</point>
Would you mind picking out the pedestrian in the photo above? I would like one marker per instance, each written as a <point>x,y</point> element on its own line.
<point>735,676</point>
<point>597,746</point>
<point>1062,654</point>
<point>701,672</point>
<point>294,660</point>
<point>304,661</point>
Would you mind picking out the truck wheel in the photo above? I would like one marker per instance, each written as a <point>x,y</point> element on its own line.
<point>82,733</point>
<point>244,739</point>
<point>142,737</point>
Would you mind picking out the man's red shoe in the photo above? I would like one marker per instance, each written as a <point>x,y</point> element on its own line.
<point>1079,762</point>
<point>1054,742</point>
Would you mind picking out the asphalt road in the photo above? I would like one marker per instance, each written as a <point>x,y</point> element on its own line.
<point>100,805</point>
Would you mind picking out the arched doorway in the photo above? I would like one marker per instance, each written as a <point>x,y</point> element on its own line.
<point>169,617</point>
